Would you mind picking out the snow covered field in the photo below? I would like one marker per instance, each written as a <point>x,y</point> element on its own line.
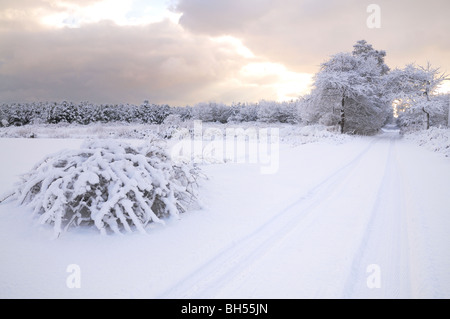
<point>342,218</point>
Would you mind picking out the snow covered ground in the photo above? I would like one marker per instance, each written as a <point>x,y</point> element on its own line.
<point>292,134</point>
<point>342,218</point>
<point>435,139</point>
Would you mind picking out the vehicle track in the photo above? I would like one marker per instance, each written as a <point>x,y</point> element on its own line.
<point>206,281</point>
<point>385,241</point>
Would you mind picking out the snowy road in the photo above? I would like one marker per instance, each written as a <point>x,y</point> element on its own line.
<point>359,223</point>
<point>366,219</point>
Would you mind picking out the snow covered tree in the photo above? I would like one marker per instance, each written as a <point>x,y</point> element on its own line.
<point>221,112</point>
<point>268,111</point>
<point>281,112</point>
<point>185,113</point>
<point>152,113</point>
<point>347,91</point>
<point>65,111</point>
<point>289,112</point>
<point>111,185</point>
<point>365,50</point>
<point>411,116</point>
<point>88,113</point>
<point>244,112</point>
<point>414,88</point>
<point>203,112</point>
<point>19,114</point>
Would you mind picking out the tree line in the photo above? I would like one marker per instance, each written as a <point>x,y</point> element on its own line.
<point>85,113</point>
<point>356,92</point>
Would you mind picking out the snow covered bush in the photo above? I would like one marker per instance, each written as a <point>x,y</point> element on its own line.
<point>170,126</point>
<point>112,185</point>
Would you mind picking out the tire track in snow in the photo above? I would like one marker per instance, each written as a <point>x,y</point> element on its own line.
<point>206,281</point>
<point>387,239</point>
<point>356,280</point>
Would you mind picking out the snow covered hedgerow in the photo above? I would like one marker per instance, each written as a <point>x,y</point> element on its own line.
<point>112,185</point>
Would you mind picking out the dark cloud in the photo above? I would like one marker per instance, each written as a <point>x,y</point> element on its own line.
<point>221,17</point>
<point>109,63</point>
<point>303,33</point>
<point>183,64</point>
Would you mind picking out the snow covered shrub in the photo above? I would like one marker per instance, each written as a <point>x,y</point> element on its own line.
<point>170,126</point>
<point>111,185</point>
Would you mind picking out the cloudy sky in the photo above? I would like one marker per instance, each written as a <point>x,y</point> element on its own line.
<point>187,51</point>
